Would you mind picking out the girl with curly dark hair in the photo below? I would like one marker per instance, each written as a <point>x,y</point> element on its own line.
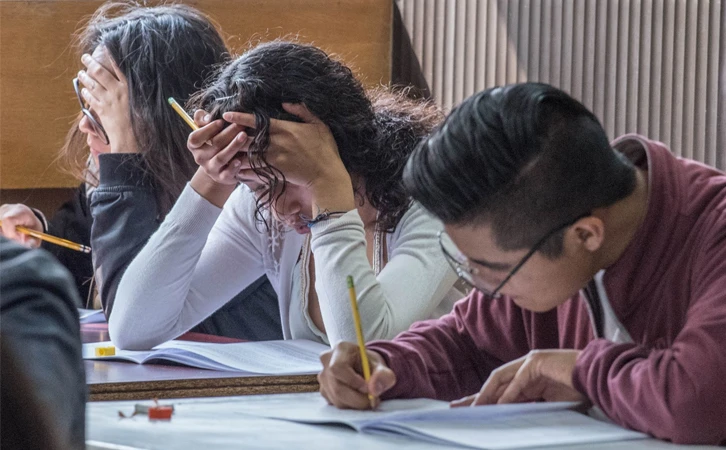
<point>321,198</point>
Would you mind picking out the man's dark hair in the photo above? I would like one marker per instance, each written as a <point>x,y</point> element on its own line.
<point>523,159</point>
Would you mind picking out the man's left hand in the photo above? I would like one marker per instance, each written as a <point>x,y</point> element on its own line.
<point>539,375</point>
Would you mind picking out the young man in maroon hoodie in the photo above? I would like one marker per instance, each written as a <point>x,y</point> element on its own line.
<point>600,272</point>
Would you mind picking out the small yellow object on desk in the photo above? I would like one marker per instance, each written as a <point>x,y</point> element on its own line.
<point>105,351</point>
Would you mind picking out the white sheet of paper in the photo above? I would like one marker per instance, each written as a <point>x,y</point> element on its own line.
<point>316,410</point>
<point>487,427</point>
<point>513,431</point>
<point>225,423</point>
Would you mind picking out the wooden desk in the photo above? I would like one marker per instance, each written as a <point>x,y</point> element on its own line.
<point>115,380</point>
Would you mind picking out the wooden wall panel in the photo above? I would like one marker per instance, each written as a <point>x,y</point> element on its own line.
<point>645,66</point>
<point>37,102</point>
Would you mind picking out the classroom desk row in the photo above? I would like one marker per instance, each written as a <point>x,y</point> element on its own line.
<point>114,380</point>
<point>118,386</point>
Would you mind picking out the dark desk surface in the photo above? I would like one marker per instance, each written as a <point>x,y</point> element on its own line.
<point>114,380</point>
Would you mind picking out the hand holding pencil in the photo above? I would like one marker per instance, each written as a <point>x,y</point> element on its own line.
<point>218,147</point>
<point>344,381</point>
<point>19,223</point>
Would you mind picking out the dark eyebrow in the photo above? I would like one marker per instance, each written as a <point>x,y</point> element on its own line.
<point>503,267</point>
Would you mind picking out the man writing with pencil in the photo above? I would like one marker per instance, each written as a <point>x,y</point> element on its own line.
<point>599,272</point>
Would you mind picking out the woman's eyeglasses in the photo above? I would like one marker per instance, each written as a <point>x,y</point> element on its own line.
<point>97,128</point>
<point>461,265</point>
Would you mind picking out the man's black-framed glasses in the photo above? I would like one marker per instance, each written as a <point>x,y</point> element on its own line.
<point>461,265</point>
<point>86,112</point>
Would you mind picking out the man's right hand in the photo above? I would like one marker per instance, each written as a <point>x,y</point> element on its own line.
<point>342,383</point>
<point>13,215</point>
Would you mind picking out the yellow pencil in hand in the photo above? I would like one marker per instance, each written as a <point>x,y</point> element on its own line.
<point>52,239</point>
<point>359,334</point>
<point>177,107</point>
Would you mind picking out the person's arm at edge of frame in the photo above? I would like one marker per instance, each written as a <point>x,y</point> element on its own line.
<point>33,281</point>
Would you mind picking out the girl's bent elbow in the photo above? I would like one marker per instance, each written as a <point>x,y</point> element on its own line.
<point>123,338</point>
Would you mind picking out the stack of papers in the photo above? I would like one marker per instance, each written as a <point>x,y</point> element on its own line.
<point>291,357</point>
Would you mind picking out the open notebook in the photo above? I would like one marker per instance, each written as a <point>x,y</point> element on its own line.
<point>292,357</point>
<point>484,427</point>
<point>91,315</point>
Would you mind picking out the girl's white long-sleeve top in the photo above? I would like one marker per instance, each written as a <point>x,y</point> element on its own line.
<point>202,255</point>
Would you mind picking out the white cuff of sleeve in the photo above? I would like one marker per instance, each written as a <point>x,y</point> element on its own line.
<point>351,218</point>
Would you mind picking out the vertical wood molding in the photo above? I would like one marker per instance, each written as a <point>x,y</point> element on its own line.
<point>646,66</point>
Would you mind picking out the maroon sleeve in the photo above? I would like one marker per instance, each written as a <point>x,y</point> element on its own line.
<point>451,357</point>
<point>677,393</point>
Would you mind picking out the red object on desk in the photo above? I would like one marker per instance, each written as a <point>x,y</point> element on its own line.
<point>98,332</point>
<point>160,412</point>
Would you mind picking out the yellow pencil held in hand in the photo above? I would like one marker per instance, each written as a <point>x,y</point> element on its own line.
<point>52,239</point>
<point>177,107</point>
<point>359,334</point>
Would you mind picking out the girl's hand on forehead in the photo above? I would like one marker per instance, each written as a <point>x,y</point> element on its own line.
<point>305,152</point>
<point>107,94</point>
<point>220,151</point>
